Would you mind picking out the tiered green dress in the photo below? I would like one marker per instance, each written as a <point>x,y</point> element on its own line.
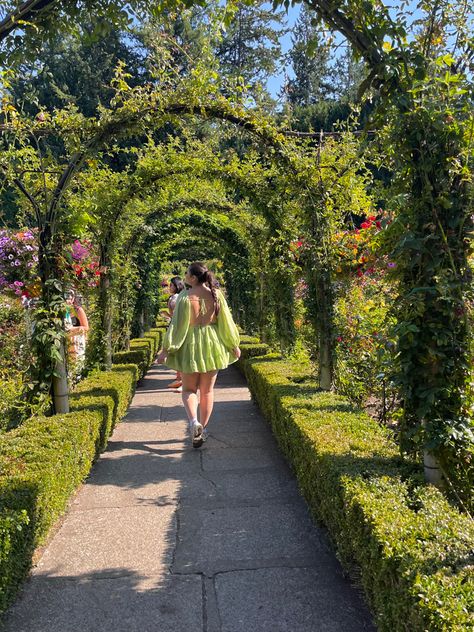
<point>200,348</point>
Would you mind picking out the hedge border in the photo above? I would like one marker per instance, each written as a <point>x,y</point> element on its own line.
<point>414,551</point>
<point>142,351</point>
<point>43,461</point>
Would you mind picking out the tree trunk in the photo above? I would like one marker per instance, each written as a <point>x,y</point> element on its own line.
<point>141,322</point>
<point>320,304</point>
<point>52,371</point>
<point>60,385</point>
<point>433,472</point>
<point>324,301</point>
<point>105,307</point>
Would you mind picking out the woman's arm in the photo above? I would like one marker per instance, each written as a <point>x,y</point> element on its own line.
<point>83,321</point>
<point>178,329</point>
<point>226,328</point>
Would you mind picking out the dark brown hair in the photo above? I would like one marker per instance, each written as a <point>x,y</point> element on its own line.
<point>178,284</point>
<point>204,275</point>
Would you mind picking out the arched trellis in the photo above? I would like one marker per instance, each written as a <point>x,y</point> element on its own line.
<point>144,110</point>
<point>142,183</point>
<point>182,224</point>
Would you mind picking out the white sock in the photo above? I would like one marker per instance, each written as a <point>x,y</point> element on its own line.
<point>192,422</point>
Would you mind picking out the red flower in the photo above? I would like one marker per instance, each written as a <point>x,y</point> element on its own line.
<point>378,224</point>
<point>372,218</point>
<point>359,272</point>
<point>365,225</point>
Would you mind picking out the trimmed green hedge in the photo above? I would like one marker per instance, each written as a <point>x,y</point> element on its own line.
<point>414,550</point>
<point>139,357</point>
<point>251,346</point>
<point>44,461</point>
<point>142,351</point>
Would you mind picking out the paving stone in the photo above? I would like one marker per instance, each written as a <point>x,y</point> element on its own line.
<point>156,520</point>
<point>289,600</point>
<point>233,537</point>
<point>135,469</point>
<point>136,539</point>
<point>225,438</point>
<point>240,458</point>
<point>109,602</point>
<point>267,485</point>
<point>165,492</point>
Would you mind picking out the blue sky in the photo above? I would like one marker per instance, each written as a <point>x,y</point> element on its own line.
<point>274,84</point>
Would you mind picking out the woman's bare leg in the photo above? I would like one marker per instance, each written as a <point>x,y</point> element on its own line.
<point>206,391</point>
<point>189,396</point>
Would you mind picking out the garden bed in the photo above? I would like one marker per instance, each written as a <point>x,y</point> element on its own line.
<point>414,551</point>
<point>44,461</point>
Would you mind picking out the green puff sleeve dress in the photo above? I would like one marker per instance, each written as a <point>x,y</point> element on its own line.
<point>200,348</point>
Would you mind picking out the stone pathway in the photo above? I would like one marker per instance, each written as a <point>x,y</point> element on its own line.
<point>165,538</point>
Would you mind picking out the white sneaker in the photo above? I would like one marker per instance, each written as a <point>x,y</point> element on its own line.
<point>196,435</point>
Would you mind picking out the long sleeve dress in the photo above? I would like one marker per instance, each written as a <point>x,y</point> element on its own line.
<point>199,348</point>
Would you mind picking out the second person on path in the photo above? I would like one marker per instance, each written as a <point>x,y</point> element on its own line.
<point>201,339</point>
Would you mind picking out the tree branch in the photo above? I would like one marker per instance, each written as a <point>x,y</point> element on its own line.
<point>29,11</point>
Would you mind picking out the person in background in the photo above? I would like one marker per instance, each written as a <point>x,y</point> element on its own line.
<point>77,327</point>
<point>201,339</point>
<point>176,286</point>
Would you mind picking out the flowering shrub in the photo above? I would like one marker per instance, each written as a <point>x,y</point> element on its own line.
<point>364,343</point>
<point>365,292</point>
<point>18,262</point>
<point>357,251</point>
<point>15,356</point>
<point>82,265</point>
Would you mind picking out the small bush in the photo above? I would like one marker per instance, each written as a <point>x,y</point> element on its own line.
<point>43,461</point>
<point>414,551</point>
<point>142,351</point>
<point>251,347</point>
<point>138,357</point>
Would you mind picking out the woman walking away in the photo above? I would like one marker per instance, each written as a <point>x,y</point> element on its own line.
<point>201,339</point>
<point>176,286</point>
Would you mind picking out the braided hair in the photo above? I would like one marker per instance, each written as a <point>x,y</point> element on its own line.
<point>203,275</point>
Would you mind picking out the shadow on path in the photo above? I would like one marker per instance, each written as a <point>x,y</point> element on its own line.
<point>165,538</point>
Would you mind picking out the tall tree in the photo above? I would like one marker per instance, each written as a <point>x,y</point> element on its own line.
<point>250,48</point>
<point>79,70</point>
<point>309,60</point>
<point>25,25</point>
<point>325,82</point>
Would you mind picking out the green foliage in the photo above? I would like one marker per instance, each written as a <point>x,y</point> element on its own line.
<point>139,357</point>
<point>77,70</point>
<point>26,29</point>
<point>413,549</point>
<point>142,351</point>
<point>364,350</point>
<point>251,347</point>
<point>250,49</point>
<point>43,462</point>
